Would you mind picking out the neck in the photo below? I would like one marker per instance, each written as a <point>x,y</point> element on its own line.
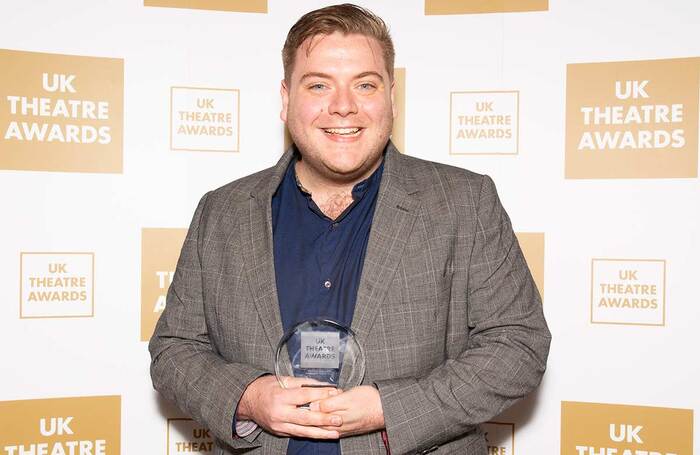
<point>316,183</point>
<point>331,197</point>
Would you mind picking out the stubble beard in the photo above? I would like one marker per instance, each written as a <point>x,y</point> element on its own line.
<point>311,155</point>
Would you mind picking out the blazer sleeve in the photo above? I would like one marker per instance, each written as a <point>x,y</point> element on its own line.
<point>506,352</point>
<point>184,366</point>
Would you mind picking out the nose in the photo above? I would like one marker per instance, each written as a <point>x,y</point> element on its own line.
<point>342,102</point>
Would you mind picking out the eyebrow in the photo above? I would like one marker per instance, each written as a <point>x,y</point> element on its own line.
<point>369,73</point>
<point>313,74</point>
<point>328,76</point>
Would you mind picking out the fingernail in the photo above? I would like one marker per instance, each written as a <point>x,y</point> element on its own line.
<point>335,420</point>
<point>333,392</point>
<point>314,406</point>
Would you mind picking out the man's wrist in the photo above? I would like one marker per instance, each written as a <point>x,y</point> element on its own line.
<point>243,409</point>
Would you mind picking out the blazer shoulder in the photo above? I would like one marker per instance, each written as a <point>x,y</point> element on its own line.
<point>237,191</point>
<point>219,209</point>
<point>441,180</point>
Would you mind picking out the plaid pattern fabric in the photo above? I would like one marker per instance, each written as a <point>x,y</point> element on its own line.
<point>447,311</point>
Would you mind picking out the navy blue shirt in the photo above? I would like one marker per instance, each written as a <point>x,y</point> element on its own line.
<point>318,262</point>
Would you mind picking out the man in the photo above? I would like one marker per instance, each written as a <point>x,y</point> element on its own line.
<point>419,258</point>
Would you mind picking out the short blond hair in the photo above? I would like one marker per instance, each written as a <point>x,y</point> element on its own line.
<point>346,19</point>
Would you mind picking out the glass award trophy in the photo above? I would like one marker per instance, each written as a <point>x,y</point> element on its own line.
<point>323,350</point>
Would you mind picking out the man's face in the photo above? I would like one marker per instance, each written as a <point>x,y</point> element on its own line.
<point>339,106</point>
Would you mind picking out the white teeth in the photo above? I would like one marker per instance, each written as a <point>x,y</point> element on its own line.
<point>342,131</point>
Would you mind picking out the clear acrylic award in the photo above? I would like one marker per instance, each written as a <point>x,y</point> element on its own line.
<point>323,350</point>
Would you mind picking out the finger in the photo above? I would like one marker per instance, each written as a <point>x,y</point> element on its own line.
<point>316,419</point>
<point>332,403</point>
<point>345,430</point>
<point>304,395</point>
<point>291,382</point>
<point>309,432</point>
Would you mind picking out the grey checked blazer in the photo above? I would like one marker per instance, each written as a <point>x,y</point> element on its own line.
<point>447,311</point>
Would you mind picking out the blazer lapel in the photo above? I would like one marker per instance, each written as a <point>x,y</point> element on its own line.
<point>395,214</point>
<point>256,230</point>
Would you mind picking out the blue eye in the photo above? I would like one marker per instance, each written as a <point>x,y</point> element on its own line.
<point>366,86</point>
<point>318,86</point>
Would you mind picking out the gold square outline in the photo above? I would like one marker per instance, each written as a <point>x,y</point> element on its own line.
<point>517,126</point>
<point>92,306</point>
<point>512,432</point>
<point>238,119</point>
<point>663,300</point>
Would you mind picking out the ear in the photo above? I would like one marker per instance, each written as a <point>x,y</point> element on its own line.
<point>394,111</point>
<point>284,93</point>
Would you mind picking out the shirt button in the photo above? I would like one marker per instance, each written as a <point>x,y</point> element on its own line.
<point>327,284</point>
<point>334,225</point>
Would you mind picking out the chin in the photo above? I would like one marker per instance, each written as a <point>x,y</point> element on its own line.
<point>344,169</point>
<point>343,162</point>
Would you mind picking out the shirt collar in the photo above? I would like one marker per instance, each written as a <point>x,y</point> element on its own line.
<point>358,190</point>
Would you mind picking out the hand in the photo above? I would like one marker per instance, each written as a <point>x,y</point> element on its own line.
<point>360,409</point>
<point>276,409</point>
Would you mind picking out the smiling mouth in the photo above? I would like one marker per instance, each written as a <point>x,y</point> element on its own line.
<point>342,131</point>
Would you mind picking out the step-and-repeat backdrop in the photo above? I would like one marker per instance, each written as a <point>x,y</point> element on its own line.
<point>116,116</point>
